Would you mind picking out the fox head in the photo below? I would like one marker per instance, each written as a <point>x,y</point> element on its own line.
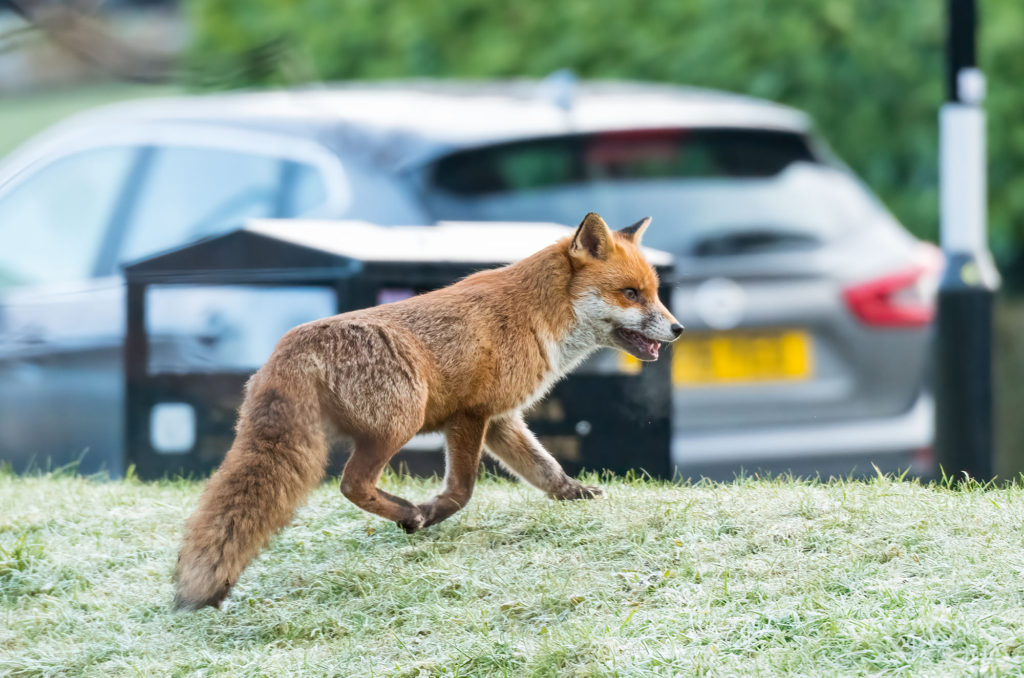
<point>615,290</point>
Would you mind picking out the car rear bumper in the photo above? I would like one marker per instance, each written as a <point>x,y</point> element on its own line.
<point>838,448</point>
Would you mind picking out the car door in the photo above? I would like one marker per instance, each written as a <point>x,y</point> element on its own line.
<point>66,227</point>
<point>192,192</point>
<point>60,327</point>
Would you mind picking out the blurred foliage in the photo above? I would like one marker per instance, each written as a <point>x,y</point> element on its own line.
<point>869,71</point>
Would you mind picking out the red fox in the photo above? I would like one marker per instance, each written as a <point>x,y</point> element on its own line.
<point>466,360</point>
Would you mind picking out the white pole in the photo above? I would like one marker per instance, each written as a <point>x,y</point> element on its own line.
<point>962,178</point>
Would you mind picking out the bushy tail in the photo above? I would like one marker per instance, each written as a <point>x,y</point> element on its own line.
<point>279,454</point>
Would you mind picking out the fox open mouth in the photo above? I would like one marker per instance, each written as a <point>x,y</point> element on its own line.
<point>636,344</point>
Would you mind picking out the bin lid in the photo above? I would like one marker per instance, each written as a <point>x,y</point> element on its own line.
<point>314,250</point>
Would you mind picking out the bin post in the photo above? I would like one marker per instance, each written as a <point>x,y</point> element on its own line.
<point>136,359</point>
<point>963,343</point>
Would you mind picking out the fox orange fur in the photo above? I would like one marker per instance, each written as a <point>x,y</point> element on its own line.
<point>465,360</point>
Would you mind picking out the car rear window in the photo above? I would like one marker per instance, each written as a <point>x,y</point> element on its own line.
<point>711,192</point>
<point>633,154</point>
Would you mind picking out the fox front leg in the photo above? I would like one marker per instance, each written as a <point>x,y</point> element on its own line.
<point>465,437</point>
<point>512,443</point>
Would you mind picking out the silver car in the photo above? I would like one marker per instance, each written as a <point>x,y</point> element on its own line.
<point>807,305</point>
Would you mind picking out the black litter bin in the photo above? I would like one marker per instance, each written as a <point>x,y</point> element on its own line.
<point>615,420</point>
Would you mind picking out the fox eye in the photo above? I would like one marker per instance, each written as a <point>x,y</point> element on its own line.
<point>631,294</point>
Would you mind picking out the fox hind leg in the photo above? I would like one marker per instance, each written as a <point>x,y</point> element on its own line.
<point>359,485</point>
<point>379,400</point>
<point>510,441</point>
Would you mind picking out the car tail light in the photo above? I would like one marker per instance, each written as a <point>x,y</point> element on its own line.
<point>922,461</point>
<point>905,298</point>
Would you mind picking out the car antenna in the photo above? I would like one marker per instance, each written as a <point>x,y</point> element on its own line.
<point>560,89</point>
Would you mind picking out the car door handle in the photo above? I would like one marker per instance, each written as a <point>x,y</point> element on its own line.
<point>29,336</point>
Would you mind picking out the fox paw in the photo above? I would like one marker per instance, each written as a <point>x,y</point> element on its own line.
<point>579,491</point>
<point>413,523</point>
<point>439,508</point>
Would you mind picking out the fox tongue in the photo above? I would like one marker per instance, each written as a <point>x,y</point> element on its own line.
<point>638,345</point>
<point>648,347</point>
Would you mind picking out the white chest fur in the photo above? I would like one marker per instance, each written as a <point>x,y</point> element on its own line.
<point>563,359</point>
<point>565,353</point>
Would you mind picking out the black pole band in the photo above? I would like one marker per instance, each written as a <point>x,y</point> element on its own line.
<point>961,51</point>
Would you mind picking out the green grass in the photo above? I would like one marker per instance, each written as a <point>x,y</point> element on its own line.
<point>23,115</point>
<point>756,577</point>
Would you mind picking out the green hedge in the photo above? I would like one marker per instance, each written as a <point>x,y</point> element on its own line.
<point>869,71</point>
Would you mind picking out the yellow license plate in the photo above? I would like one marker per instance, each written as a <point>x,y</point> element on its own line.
<point>737,358</point>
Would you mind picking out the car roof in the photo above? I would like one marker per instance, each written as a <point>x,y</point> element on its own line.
<point>450,241</point>
<point>408,122</point>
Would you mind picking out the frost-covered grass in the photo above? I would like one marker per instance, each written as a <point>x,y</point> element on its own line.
<point>756,577</point>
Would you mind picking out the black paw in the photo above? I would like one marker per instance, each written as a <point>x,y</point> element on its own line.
<point>414,523</point>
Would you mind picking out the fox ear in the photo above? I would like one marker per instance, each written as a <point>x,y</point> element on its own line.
<point>593,239</point>
<point>636,231</point>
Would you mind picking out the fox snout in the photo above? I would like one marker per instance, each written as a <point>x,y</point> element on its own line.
<point>661,324</point>
<point>643,339</point>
